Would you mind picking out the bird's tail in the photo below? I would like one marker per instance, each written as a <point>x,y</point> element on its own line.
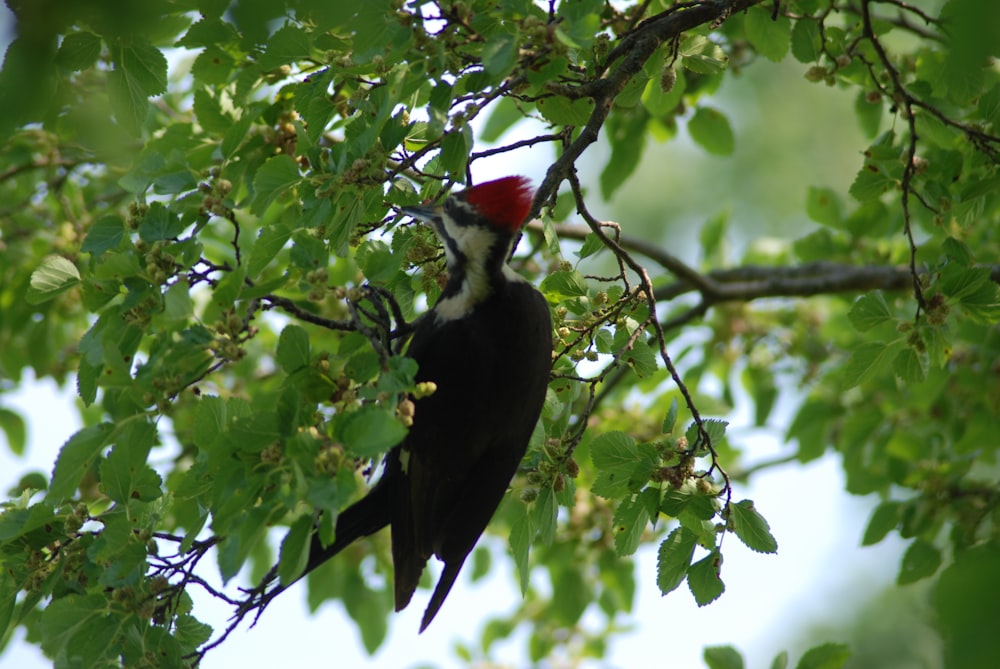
<point>366,516</point>
<point>441,590</point>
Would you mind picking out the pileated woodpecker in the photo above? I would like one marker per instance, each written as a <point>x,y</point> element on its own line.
<point>487,346</point>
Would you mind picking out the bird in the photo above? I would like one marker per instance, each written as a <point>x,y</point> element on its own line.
<point>486,345</point>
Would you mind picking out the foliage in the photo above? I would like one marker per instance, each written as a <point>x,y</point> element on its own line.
<point>201,231</point>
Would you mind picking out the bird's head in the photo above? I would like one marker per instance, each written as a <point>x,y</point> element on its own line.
<point>471,222</point>
<point>477,228</point>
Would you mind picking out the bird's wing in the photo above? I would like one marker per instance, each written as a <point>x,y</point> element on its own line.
<point>437,456</point>
<point>460,464</point>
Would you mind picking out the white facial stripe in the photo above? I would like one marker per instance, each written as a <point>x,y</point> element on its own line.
<point>473,241</point>
<point>459,305</point>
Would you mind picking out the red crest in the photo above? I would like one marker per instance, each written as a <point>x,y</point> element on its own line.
<point>504,202</point>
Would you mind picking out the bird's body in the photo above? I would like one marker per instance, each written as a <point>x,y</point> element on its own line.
<point>486,345</point>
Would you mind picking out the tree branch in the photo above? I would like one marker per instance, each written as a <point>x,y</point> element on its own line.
<point>751,282</point>
<point>633,51</point>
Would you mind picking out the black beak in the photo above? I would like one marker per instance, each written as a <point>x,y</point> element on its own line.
<point>425,214</point>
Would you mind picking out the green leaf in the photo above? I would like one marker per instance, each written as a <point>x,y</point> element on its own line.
<point>920,561</point>
<point>616,455</point>
<point>870,184</point>
<point>212,67</point>
<point>885,518</point>
<point>714,428</point>
<point>827,656</point>
<point>87,376</point>
<point>237,133</point>
<point>656,99</point>
<point>398,378</point>
<point>128,100</point>
<point>191,633</point>
<point>713,234</point>
<point>105,234</point>
<point>771,37</point>
<point>751,527</point>
<point>642,359</point>
<point>140,72</point>
<point>78,51</point>
<point>544,514</point>
<point>614,452</point>
<point>671,418</point>
<point>269,243</point>
<point>145,67</point>
<point>209,421</point>
<point>823,206</point>
<point>124,473</point>
<point>207,32</point>
<point>19,522</point>
<point>522,532</point>
<point>160,224</point>
<point>938,348</point>
<point>571,595</point>
<point>563,111</point>
<point>611,485</point>
<point>75,457</point>
<point>711,130</point>
<point>209,113</point>
<point>579,23</point>
<point>868,112</point>
<point>910,366</point>
<point>503,114</point>
<point>294,554</point>
<point>701,55</point>
<point>9,590</point>
<point>958,251</point>
<point>227,291</point>
<point>958,282</point>
<point>967,607</point>
<point>14,427</point>
<point>973,33</point>
<point>983,305</point>
<point>759,383</point>
<point>869,311</point>
<point>363,366</point>
<point>288,45</point>
<point>591,244</point>
<point>249,531</point>
<point>500,54</point>
<point>279,175</point>
<point>806,41</point>
<point>674,559</point>
<point>54,276</point>
<point>626,132</point>
<point>371,431</point>
<point>372,27</point>
<point>703,579</point>
<point>565,284</point>
<point>62,622</point>
<point>313,102</point>
<point>780,660</point>
<point>293,348</point>
<point>867,360</point>
<point>630,520</point>
<point>455,148</point>
<point>989,106</point>
<point>377,261</point>
<point>722,657</point>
